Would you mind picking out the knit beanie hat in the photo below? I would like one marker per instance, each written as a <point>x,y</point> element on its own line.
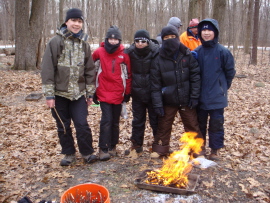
<point>142,34</point>
<point>193,23</point>
<point>74,13</point>
<point>208,26</point>
<point>169,30</point>
<point>174,21</point>
<point>114,32</point>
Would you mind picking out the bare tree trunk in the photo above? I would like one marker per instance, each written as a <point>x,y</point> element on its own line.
<point>255,32</point>
<point>61,12</point>
<point>28,33</point>
<point>219,8</point>
<point>193,9</point>
<point>248,27</point>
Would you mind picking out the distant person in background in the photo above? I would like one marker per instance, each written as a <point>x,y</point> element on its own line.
<point>190,37</point>
<point>217,72</point>
<point>68,82</point>
<point>173,21</point>
<point>113,86</point>
<point>141,53</point>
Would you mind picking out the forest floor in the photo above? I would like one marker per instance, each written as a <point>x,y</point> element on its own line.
<point>30,152</point>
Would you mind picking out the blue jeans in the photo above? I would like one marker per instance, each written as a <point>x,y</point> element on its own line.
<point>215,126</point>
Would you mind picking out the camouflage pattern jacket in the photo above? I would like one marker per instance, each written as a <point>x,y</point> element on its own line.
<point>68,69</point>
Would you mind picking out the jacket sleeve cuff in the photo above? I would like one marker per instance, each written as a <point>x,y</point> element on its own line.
<point>49,98</point>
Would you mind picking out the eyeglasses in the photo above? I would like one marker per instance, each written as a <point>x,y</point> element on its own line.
<point>139,40</point>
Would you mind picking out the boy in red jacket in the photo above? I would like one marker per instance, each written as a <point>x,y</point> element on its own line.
<point>113,86</point>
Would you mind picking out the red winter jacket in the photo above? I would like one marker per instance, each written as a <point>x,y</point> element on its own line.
<point>113,76</point>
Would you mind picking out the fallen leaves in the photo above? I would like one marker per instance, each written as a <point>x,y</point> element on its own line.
<point>29,146</point>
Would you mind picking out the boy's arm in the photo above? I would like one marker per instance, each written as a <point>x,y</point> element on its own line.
<point>48,69</point>
<point>128,80</point>
<point>195,78</point>
<point>228,67</point>
<point>89,72</point>
<point>156,85</point>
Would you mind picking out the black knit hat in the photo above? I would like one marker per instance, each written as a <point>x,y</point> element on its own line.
<point>142,34</point>
<point>74,13</point>
<point>114,32</point>
<point>169,30</point>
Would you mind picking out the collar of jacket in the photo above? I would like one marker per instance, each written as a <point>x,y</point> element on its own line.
<point>183,51</point>
<point>67,34</point>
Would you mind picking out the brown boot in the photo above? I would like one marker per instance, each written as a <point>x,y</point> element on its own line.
<point>160,149</point>
<point>214,155</point>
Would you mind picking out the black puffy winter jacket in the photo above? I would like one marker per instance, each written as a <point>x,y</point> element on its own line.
<point>175,82</point>
<point>140,67</point>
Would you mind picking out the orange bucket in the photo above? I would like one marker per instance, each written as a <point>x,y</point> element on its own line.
<point>89,191</point>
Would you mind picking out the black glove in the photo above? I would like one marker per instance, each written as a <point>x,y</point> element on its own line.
<point>159,111</point>
<point>95,99</point>
<point>126,98</point>
<point>193,103</point>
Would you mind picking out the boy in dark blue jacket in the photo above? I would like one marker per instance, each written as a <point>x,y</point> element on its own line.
<point>217,72</point>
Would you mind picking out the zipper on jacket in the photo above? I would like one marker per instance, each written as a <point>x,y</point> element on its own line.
<point>70,61</point>
<point>113,63</point>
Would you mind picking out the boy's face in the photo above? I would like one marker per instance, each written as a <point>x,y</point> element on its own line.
<point>169,37</point>
<point>113,41</point>
<point>141,43</point>
<point>74,25</point>
<point>208,35</point>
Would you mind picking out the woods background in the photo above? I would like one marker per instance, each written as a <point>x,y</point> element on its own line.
<point>32,22</point>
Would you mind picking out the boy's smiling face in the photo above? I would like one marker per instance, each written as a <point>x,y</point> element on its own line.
<point>208,35</point>
<point>74,25</point>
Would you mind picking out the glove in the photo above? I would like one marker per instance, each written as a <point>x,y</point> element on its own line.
<point>126,98</point>
<point>193,103</point>
<point>159,111</point>
<point>194,54</point>
<point>95,99</point>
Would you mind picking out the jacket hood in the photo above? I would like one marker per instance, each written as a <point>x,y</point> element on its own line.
<point>215,24</point>
<point>174,21</point>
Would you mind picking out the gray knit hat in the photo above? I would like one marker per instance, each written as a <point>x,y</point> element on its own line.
<point>114,32</point>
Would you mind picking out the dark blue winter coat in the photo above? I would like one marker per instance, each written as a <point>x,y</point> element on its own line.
<point>217,70</point>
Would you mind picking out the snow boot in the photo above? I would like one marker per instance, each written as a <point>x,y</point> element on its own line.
<point>112,151</point>
<point>68,160</point>
<point>104,155</point>
<point>214,155</point>
<point>91,158</point>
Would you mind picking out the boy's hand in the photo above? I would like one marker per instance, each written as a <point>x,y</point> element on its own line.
<point>50,103</point>
<point>89,101</point>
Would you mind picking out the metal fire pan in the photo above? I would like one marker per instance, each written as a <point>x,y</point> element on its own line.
<point>192,182</point>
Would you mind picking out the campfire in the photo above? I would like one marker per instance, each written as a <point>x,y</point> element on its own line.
<point>175,170</point>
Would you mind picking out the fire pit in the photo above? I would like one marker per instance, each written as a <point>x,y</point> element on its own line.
<point>190,189</point>
<point>174,176</point>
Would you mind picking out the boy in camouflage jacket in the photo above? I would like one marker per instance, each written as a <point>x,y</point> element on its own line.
<point>68,77</point>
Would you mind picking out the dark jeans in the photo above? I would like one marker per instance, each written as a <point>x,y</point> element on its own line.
<point>109,125</point>
<point>189,120</point>
<point>77,112</point>
<point>215,128</point>
<point>139,118</point>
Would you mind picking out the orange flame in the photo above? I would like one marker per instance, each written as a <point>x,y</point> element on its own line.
<point>175,169</point>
